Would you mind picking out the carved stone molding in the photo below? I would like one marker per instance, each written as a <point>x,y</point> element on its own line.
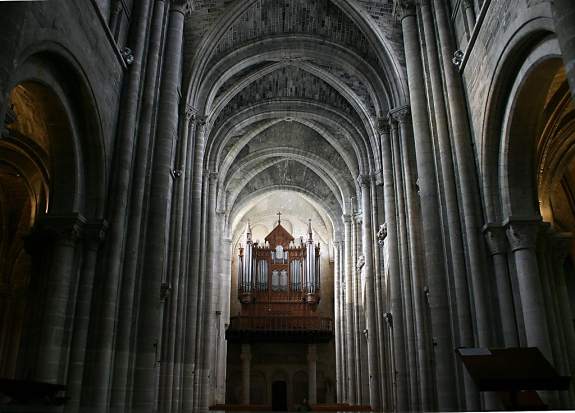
<point>360,262</point>
<point>496,239</point>
<point>457,59</point>
<point>382,234</point>
<point>522,233</point>
<point>388,319</point>
<point>191,113</point>
<point>383,125</point>
<point>127,55</point>
<point>378,176</point>
<point>180,6</point>
<point>346,218</point>
<point>212,176</point>
<point>403,8</point>
<point>66,229</point>
<point>401,114</point>
<point>364,180</point>
<point>95,231</point>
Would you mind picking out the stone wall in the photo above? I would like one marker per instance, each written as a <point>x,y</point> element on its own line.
<point>76,32</point>
<point>505,21</point>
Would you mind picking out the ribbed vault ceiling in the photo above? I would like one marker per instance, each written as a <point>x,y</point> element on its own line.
<point>292,91</point>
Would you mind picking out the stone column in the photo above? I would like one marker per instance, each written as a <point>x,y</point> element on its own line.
<point>109,291</point>
<point>462,309</point>
<point>337,322</point>
<point>390,254</point>
<point>564,16</point>
<point>468,186</point>
<point>416,259</point>
<point>396,246</point>
<point>184,349</point>
<point>497,244</point>
<point>522,236</point>
<point>210,318</point>
<point>225,276</point>
<point>404,183</point>
<point>246,357</point>
<point>378,218</point>
<point>361,370</point>
<point>93,236</point>
<point>193,267</point>
<point>370,314</point>
<point>52,348</point>
<point>311,373</point>
<point>342,327</point>
<point>155,261</point>
<point>430,207</point>
<point>349,319</point>
<point>131,261</point>
<point>175,281</point>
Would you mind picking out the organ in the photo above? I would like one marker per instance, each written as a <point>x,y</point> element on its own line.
<point>280,270</point>
<point>279,288</point>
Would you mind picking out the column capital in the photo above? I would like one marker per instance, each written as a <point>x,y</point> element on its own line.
<point>496,238</point>
<point>95,231</point>
<point>200,120</point>
<point>403,8</point>
<point>522,233</point>
<point>401,114</point>
<point>64,228</point>
<point>382,125</point>
<point>212,176</point>
<point>191,113</point>
<point>379,177</point>
<point>180,6</point>
<point>364,180</point>
<point>346,218</point>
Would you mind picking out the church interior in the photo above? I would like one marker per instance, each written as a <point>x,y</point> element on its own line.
<point>287,205</point>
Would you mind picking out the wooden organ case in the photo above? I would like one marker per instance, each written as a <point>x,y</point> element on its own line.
<point>279,290</point>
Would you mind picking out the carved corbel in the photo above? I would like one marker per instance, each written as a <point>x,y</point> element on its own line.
<point>382,234</point>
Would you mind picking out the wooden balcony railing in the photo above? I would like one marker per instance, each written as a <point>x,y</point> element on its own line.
<point>281,323</point>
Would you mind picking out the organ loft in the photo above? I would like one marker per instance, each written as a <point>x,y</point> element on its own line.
<point>278,327</point>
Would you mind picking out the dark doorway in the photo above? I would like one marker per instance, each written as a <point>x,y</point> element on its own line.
<point>279,396</point>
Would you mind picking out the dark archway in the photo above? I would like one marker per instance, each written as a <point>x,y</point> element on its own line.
<point>279,396</point>
<point>34,122</point>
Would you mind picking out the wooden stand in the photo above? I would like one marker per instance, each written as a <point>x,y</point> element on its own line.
<point>516,373</point>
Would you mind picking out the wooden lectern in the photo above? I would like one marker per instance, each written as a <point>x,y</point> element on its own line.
<point>516,373</point>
